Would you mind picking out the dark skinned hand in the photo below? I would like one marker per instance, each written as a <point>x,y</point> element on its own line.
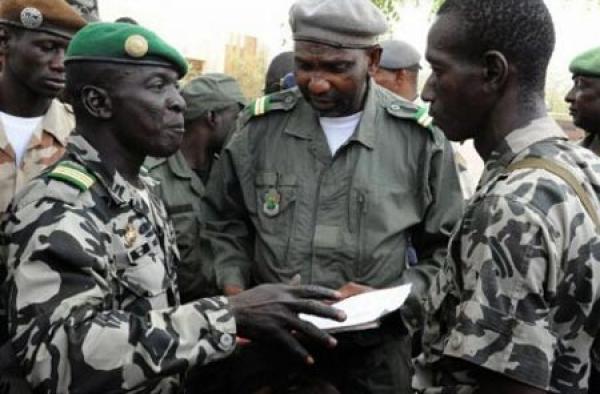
<point>270,313</point>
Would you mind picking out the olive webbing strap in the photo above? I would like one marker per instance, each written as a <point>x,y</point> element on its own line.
<point>565,175</point>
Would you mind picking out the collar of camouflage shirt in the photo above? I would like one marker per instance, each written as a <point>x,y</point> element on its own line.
<point>121,191</point>
<point>517,141</point>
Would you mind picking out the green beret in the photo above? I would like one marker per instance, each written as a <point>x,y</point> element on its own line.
<point>211,92</point>
<point>123,43</point>
<point>587,63</point>
<point>48,16</point>
<point>344,24</point>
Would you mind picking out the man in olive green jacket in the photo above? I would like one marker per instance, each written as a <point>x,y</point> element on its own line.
<point>329,184</point>
<point>213,102</point>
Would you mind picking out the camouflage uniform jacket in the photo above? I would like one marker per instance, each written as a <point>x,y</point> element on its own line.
<point>284,206</point>
<point>519,292</point>
<point>46,146</point>
<point>92,296</point>
<point>181,190</point>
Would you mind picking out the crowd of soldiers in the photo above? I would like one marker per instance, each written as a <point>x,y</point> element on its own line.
<point>163,239</point>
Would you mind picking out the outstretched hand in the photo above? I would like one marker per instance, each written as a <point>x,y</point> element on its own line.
<point>270,313</point>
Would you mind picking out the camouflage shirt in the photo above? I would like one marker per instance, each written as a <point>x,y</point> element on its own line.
<point>519,292</point>
<point>92,296</point>
<point>46,146</point>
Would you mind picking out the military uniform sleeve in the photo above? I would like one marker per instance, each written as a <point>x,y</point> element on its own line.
<point>228,232</point>
<point>430,237</point>
<point>64,324</point>
<point>508,259</point>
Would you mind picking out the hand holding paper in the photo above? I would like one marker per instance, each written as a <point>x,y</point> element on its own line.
<point>364,310</point>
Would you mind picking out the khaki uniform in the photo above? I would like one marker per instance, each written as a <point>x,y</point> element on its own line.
<point>46,146</point>
<point>286,207</point>
<point>519,292</point>
<point>181,190</point>
<point>93,300</point>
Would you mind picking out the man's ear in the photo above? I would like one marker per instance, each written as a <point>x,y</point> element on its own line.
<point>96,101</point>
<point>374,54</point>
<point>212,119</point>
<point>495,70</point>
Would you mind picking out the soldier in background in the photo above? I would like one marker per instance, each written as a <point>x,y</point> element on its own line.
<point>584,97</point>
<point>584,107</point>
<point>281,67</point>
<point>514,309</point>
<point>34,125</point>
<point>399,68</point>
<point>213,102</point>
<point>91,254</point>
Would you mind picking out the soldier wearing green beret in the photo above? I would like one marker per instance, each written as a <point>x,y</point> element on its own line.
<point>213,102</point>
<point>584,96</point>
<point>91,254</point>
<point>328,183</point>
<point>584,107</point>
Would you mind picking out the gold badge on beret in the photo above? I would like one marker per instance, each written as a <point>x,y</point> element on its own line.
<point>31,18</point>
<point>136,46</point>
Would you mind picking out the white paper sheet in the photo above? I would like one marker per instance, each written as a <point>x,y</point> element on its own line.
<point>363,310</point>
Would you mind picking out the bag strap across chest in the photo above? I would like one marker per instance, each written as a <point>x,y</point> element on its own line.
<point>565,175</point>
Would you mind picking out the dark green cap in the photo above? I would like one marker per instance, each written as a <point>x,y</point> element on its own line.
<point>211,92</point>
<point>587,63</point>
<point>123,43</point>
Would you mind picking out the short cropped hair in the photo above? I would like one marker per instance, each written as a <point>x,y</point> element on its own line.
<point>522,30</point>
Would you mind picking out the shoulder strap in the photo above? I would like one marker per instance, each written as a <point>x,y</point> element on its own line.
<point>73,174</point>
<point>565,175</point>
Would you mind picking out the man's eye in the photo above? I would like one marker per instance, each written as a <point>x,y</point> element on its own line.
<point>339,68</point>
<point>47,46</point>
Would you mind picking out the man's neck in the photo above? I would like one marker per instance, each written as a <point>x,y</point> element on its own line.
<point>19,100</point>
<point>113,155</point>
<point>508,115</point>
<point>196,151</point>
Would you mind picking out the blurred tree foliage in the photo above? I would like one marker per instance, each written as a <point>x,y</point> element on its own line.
<point>390,7</point>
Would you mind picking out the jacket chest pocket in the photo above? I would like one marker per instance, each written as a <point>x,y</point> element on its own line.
<point>380,217</point>
<point>141,275</point>
<point>186,223</point>
<point>275,202</point>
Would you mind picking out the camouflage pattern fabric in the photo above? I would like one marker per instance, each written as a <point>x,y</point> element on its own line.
<point>47,145</point>
<point>519,292</point>
<point>92,295</point>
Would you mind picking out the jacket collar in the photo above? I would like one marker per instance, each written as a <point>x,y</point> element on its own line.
<point>305,123</point>
<point>517,141</point>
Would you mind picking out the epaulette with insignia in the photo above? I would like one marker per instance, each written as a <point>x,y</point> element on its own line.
<point>419,114</point>
<point>73,174</point>
<point>423,118</point>
<point>284,100</point>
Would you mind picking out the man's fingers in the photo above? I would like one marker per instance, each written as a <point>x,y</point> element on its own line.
<point>311,332</point>
<point>313,307</point>
<point>315,292</point>
<point>287,340</point>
